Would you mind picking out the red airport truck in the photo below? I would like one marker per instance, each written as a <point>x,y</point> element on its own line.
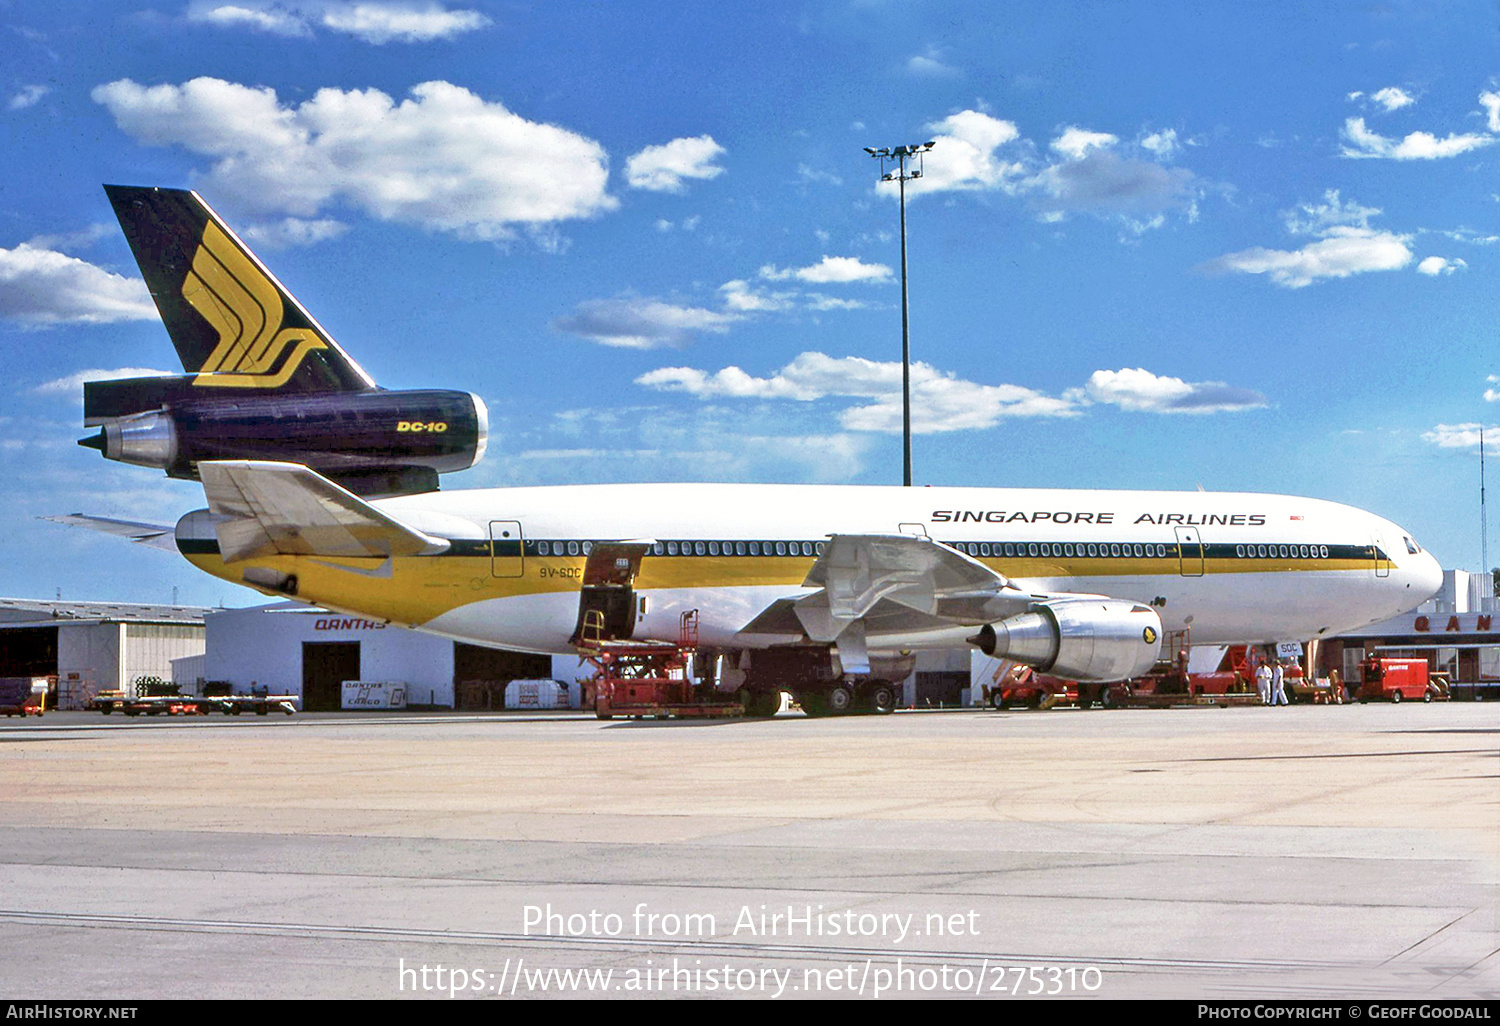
<point>1399,680</point>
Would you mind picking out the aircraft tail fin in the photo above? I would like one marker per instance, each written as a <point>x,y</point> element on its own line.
<point>236,328</point>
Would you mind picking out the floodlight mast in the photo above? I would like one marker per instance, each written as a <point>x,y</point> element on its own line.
<point>900,154</point>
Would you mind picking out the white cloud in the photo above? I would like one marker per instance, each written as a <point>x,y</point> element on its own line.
<point>1470,236</point>
<point>28,96</point>
<point>640,323</point>
<point>1436,265</point>
<point>930,64</point>
<point>41,287</point>
<point>443,158</point>
<point>372,21</point>
<point>1460,436</point>
<point>831,270</point>
<point>1346,245</point>
<point>275,20</point>
<point>1100,181</point>
<point>1075,142</point>
<point>1492,395</point>
<point>1319,218</point>
<point>294,231</point>
<point>380,23</point>
<point>818,302</point>
<point>940,402</point>
<point>965,157</point>
<point>1091,172</point>
<point>808,173</point>
<point>1141,391</point>
<point>742,297</point>
<point>1393,98</point>
<point>73,383</point>
<point>1361,142</point>
<point>1164,143</point>
<point>663,168</point>
<point>1344,252</point>
<point>1491,103</point>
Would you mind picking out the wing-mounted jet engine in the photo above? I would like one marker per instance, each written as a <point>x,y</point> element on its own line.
<point>1084,639</point>
<point>876,598</point>
<point>265,381</point>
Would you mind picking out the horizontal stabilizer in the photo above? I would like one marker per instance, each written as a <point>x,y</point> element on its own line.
<point>287,509</point>
<point>159,536</point>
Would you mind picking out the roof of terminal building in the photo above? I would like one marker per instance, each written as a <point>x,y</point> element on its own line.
<point>38,612</point>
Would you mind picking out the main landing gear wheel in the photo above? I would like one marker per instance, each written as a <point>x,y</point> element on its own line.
<point>760,704</point>
<point>839,699</point>
<point>880,697</point>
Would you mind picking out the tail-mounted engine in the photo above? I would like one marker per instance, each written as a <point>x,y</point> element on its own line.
<point>372,442</point>
<point>1093,640</point>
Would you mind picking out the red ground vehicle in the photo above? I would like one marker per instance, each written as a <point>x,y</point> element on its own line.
<point>651,678</point>
<point>1398,680</point>
<point>20,697</point>
<point>1021,685</point>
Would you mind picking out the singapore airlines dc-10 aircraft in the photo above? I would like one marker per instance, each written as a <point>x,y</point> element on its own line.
<point>323,487</point>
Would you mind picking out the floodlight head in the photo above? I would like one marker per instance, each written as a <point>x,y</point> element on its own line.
<point>928,144</point>
<point>871,151</point>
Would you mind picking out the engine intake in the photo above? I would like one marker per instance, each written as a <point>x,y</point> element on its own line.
<point>1093,640</point>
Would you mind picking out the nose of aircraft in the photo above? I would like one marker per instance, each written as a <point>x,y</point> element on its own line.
<point>1426,578</point>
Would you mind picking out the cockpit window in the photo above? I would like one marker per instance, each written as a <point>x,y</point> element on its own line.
<point>1411,546</point>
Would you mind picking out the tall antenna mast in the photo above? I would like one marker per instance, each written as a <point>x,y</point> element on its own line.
<point>1484,520</point>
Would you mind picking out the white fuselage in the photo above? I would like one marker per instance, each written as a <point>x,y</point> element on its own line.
<point>1233,567</point>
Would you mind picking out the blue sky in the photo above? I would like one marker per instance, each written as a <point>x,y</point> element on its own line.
<point>1165,245</point>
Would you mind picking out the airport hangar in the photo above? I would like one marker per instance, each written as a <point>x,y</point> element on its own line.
<point>290,648</point>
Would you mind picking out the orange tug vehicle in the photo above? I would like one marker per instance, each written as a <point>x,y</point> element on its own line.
<point>1399,680</point>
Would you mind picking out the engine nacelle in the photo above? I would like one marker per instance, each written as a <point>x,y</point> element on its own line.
<point>1093,640</point>
<point>372,442</point>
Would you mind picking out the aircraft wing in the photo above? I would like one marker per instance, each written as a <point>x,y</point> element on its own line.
<point>856,571</point>
<point>285,508</point>
<point>893,583</point>
<point>159,536</point>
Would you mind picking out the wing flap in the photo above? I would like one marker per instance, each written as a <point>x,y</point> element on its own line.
<point>891,584</point>
<point>288,509</point>
<point>856,572</point>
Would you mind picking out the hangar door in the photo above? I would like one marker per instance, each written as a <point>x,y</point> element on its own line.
<point>325,667</point>
<point>28,652</point>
